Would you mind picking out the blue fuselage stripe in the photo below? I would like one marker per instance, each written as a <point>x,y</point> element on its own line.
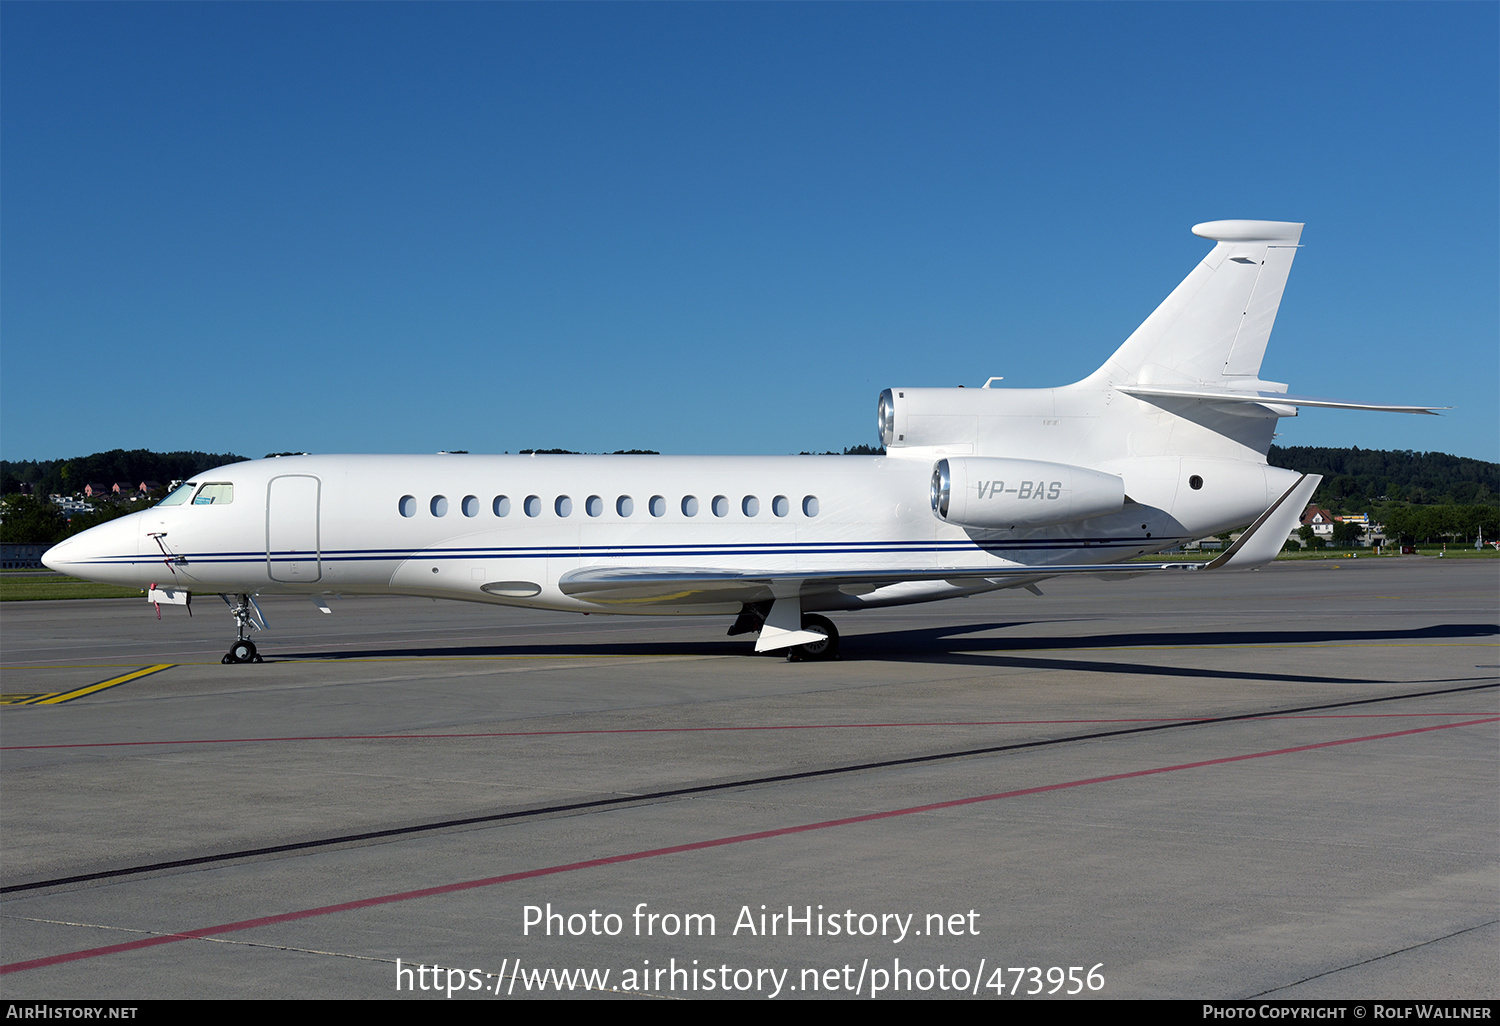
<point>627,551</point>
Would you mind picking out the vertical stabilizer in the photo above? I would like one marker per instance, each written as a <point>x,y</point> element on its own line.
<point>1213,328</point>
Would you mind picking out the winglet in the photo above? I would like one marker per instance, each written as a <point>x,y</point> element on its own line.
<point>1259,545</point>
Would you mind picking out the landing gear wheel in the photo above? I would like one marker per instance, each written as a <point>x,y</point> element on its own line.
<point>242,651</point>
<point>817,651</point>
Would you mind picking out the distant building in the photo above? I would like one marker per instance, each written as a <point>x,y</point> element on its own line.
<point>1320,520</point>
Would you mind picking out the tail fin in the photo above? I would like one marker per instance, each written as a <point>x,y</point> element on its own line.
<point>1213,328</point>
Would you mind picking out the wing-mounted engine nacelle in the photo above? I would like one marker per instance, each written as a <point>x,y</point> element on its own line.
<point>992,492</point>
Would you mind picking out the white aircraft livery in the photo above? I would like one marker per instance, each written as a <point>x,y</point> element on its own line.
<point>979,489</point>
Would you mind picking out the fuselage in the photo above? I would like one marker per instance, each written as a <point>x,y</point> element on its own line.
<point>506,529</point>
<point>980,489</point>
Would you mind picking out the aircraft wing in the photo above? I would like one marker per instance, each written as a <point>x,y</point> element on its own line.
<point>689,585</point>
<point>635,586</point>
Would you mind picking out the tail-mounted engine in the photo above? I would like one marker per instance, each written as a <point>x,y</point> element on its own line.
<point>960,420</point>
<point>912,417</point>
<point>997,493</point>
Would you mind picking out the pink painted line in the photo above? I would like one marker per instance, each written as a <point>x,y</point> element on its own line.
<point>1364,716</point>
<point>609,860</point>
<point>690,730</point>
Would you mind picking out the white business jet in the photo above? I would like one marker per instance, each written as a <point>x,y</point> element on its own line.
<point>980,489</point>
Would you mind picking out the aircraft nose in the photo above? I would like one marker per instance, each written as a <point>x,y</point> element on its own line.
<point>58,556</point>
<point>104,553</point>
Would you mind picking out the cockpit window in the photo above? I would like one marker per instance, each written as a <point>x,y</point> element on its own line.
<point>214,495</point>
<point>179,495</point>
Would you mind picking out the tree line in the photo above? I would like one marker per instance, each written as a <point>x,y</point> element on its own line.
<point>1441,523</point>
<point>1417,496</point>
<point>69,476</point>
<point>1357,480</point>
<point>34,519</point>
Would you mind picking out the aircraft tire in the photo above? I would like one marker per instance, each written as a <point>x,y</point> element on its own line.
<point>817,651</point>
<point>242,652</point>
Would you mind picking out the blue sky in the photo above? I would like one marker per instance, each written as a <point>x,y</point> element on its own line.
<point>706,228</point>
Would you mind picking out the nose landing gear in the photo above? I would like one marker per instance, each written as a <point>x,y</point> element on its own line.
<point>247,618</point>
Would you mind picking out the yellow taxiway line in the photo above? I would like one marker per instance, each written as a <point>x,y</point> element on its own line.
<point>89,689</point>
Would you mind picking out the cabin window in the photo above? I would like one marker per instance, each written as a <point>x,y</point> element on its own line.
<point>593,506</point>
<point>690,505</point>
<point>214,495</point>
<point>624,505</point>
<point>780,506</point>
<point>658,506</point>
<point>810,506</point>
<point>501,505</point>
<point>439,505</point>
<point>533,506</point>
<point>563,506</point>
<point>471,506</point>
<point>720,506</point>
<point>407,505</point>
<point>750,506</point>
<point>179,494</point>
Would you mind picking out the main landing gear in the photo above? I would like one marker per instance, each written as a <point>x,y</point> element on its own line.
<point>760,617</point>
<point>816,651</point>
<point>247,618</point>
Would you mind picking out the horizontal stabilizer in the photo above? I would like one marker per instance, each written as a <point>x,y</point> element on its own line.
<point>1226,395</point>
<point>1287,233</point>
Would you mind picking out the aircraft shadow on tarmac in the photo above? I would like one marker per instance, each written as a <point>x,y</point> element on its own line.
<point>959,645</point>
